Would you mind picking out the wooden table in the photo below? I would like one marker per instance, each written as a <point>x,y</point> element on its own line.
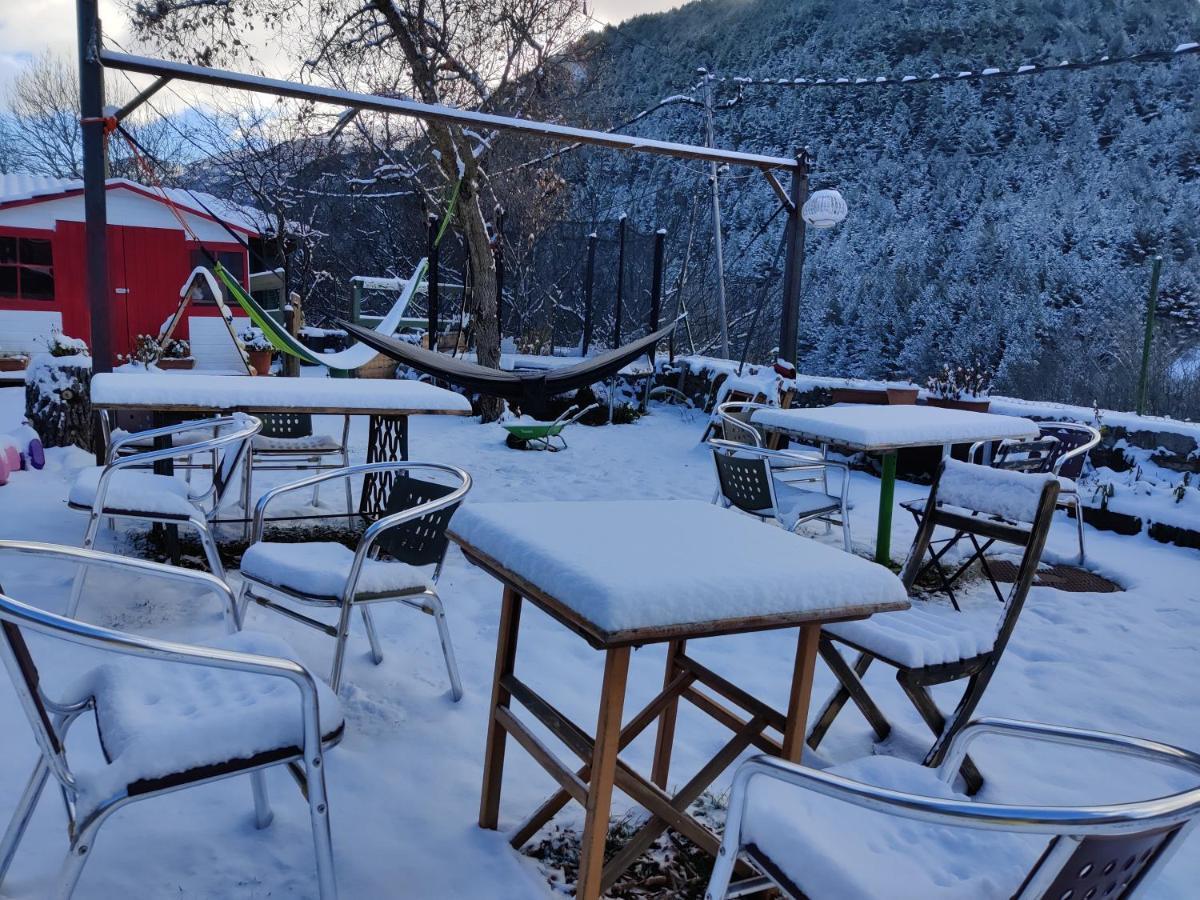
<point>886,430</point>
<point>389,403</point>
<point>622,574</point>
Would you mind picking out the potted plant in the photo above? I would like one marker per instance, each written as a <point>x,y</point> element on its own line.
<point>961,387</point>
<point>902,393</point>
<point>176,354</point>
<point>849,393</point>
<point>145,353</point>
<point>13,362</point>
<point>259,350</point>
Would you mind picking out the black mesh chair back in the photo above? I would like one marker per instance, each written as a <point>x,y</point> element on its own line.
<point>133,420</point>
<point>1105,867</point>
<point>1035,456</point>
<point>745,482</point>
<point>1068,439</point>
<point>422,541</point>
<point>286,424</point>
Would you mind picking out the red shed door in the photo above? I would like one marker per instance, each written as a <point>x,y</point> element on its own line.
<point>153,264</point>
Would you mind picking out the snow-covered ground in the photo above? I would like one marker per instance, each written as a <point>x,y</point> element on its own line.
<point>404,785</point>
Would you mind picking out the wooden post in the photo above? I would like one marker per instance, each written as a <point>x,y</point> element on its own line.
<point>294,318</point>
<point>620,281</point>
<point>663,744</point>
<point>589,276</point>
<point>793,268</point>
<point>356,302</point>
<point>656,282</point>
<point>432,252</point>
<point>718,240</point>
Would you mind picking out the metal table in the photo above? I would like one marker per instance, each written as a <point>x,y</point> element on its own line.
<point>389,403</point>
<point>886,430</point>
<point>621,574</point>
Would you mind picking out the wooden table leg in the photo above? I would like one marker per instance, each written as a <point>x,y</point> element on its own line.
<point>493,760</point>
<point>801,692</point>
<point>603,773</point>
<point>666,721</point>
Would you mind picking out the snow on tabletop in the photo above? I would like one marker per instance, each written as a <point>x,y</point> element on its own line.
<point>229,392</point>
<point>633,564</point>
<point>1011,495</point>
<point>869,427</point>
<point>832,848</point>
<point>159,718</point>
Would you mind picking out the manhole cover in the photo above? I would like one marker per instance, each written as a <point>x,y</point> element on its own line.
<point>1060,577</point>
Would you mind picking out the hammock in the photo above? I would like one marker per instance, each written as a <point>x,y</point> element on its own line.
<point>530,389</point>
<point>281,339</point>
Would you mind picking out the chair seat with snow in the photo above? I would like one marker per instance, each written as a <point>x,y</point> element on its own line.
<point>929,645</point>
<point>882,827</point>
<point>398,558</point>
<point>168,715</point>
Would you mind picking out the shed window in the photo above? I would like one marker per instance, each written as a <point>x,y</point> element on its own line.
<point>233,262</point>
<point>26,268</point>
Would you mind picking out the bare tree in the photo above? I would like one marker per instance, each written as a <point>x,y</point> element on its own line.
<point>40,133</point>
<point>478,54</point>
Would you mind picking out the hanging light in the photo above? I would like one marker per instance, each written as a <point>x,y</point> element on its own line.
<point>824,208</point>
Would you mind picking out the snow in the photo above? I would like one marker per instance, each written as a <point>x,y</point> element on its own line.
<point>321,569</point>
<point>218,392</point>
<point>890,427</point>
<point>134,490</point>
<point>927,634</point>
<point>404,784</point>
<point>833,849</point>
<point>1011,495</point>
<point>678,566</point>
<point>160,718</point>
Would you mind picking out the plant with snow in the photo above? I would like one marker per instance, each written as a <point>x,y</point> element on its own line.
<point>176,348</point>
<point>59,344</point>
<point>254,340</point>
<point>972,381</point>
<point>146,351</point>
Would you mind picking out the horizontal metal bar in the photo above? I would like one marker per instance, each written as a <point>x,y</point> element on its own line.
<point>432,112</point>
<point>142,96</point>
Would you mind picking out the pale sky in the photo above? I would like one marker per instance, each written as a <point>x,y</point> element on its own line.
<point>29,27</point>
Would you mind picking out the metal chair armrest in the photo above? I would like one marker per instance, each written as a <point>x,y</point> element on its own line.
<point>1078,451</point>
<point>1152,751</point>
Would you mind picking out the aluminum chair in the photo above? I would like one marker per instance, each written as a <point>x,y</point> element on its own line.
<point>411,536</point>
<point>1108,852</point>
<point>733,417</point>
<point>929,648</point>
<point>261,708</point>
<point>1061,449</point>
<point>745,480</point>
<point>119,491</point>
<point>287,443</point>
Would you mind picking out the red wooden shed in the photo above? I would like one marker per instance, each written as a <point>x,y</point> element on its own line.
<point>149,257</point>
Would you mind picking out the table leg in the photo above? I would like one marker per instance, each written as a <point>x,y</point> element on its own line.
<point>801,692</point>
<point>166,467</point>
<point>887,498</point>
<point>666,721</point>
<point>603,774</point>
<point>387,441</point>
<point>493,761</point>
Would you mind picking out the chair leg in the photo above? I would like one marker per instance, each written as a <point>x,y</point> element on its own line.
<point>21,816</point>
<point>1075,501</point>
<point>439,616</point>
<point>923,701</point>
<point>262,803</point>
<point>211,553</point>
<point>247,490</point>
<point>850,687</point>
<point>81,573</point>
<point>77,856</point>
<point>339,650</point>
<point>243,603</point>
<point>372,635</point>
<point>318,811</point>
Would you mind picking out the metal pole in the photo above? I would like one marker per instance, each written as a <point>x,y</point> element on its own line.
<point>589,275</point>
<point>620,281</point>
<point>1151,306</point>
<point>793,267</point>
<point>709,140</point>
<point>432,252</point>
<point>656,285</point>
<point>95,165</point>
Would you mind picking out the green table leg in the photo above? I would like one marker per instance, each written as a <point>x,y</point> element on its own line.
<point>887,497</point>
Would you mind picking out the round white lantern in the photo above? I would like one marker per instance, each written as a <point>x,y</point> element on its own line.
<point>824,209</point>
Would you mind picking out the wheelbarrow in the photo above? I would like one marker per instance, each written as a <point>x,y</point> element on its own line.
<point>542,435</point>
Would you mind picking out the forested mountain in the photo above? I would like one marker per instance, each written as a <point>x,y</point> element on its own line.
<point>1006,221</point>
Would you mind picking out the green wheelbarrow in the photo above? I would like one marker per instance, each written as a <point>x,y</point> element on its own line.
<point>541,436</point>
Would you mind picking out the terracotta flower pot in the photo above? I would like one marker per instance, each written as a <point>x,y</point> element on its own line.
<point>859,395</point>
<point>981,406</point>
<point>13,363</point>
<point>176,362</point>
<point>902,396</point>
<point>260,361</point>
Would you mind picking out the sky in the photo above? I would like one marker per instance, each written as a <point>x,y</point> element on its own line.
<point>30,27</point>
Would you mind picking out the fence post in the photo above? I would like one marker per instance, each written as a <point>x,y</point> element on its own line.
<point>656,285</point>
<point>620,281</point>
<point>1151,306</point>
<point>589,275</point>
<point>434,325</point>
<point>793,266</point>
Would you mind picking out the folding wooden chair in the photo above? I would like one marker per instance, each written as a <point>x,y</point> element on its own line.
<point>824,835</point>
<point>929,645</point>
